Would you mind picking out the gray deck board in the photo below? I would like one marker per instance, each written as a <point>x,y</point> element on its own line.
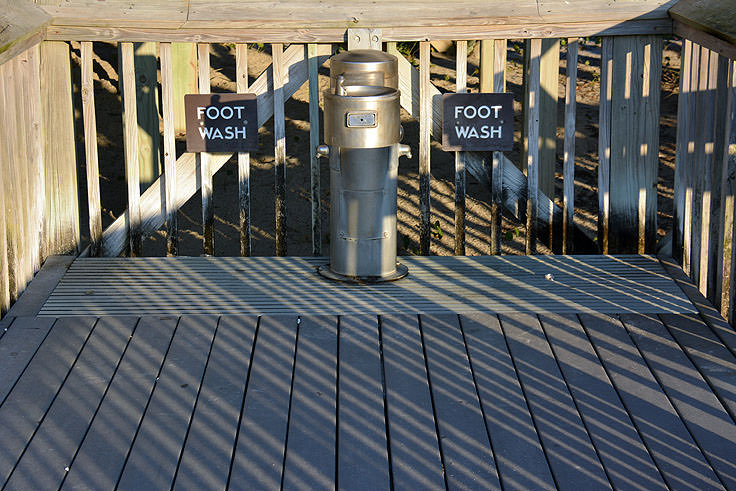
<point>261,442</point>
<point>102,454</point>
<point>17,348</point>
<point>714,361</point>
<point>668,441</point>
<point>438,284</point>
<point>155,452</point>
<point>25,406</point>
<point>466,450</point>
<point>205,460</point>
<point>479,373</point>
<point>310,451</point>
<point>416,462</point>
<point>570,452</point>
<point>362,446</point>
<point>623,454</point>
<point>701,411</point>
<point>50,452</point>
<point>509,422</point>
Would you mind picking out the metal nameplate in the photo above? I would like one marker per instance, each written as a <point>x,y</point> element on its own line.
<point>361,120</point>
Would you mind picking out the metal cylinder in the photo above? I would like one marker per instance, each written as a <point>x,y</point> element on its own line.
<point>362,135</point>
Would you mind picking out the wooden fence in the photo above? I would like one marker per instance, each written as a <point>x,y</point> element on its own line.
<point>39,204</point>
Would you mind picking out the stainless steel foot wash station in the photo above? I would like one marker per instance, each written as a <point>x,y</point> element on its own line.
<point>362,135</point>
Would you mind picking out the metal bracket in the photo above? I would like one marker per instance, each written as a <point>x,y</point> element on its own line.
<point>364,38</point>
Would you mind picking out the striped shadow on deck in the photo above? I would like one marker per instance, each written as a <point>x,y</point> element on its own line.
<point>438,284</point>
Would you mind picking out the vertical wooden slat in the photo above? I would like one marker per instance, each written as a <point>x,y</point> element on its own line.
<point>241,79</point>
<point>690,167</point>
<point>461,86</point>
<point>4,212</point>
<point>279,134</point>
<point>184,67</point>
<point>59,152</point>
<point>9,184</point>
<point>36,163</point>
<point>90,150</point>
<point>313,62</point>
<point>169,111</point>
<point>132,168</point>
<point>146,86</point>
<point>649,148</point>
<point>425,127</point>
<point>205,170</point>
<point>725,134</point>
<point>604,143</point>
<point>498,74</point>
<point>532,126</point>
<point>684,100</point>
<point>568,170</point>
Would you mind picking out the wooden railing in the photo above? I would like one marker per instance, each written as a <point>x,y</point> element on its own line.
<point>40,213</point>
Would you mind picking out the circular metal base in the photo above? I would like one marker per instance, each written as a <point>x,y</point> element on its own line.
<point>400,272</point>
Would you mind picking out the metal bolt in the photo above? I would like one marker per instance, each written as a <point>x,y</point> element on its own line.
<point>375,38</point>
<point>356,38</point>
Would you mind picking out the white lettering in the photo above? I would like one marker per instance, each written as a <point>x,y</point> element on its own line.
<point>484,131</point>
<point>484,112</point>
<point>461,131</point>
<point>209,111</point>
<point>458,110</point>
<point>495,110</point>
<point>204,132</point>
<point>496,131</point>
<point>239,109</point>
<point>229,133</point>
<point>240,132</point>
<point>470,112</point>
<point>222,112</point>
<point>473,133</point>
<point>200,110</point>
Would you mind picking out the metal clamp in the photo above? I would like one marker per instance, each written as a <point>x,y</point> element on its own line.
<point>323,151</point>
<point>404,150</point>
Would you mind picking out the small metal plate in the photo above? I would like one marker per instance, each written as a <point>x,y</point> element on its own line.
<point>361,120</point>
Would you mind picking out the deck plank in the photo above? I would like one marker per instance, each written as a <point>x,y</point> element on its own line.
<point>207,453</point>
<point>155,452</point>
<point>701,411</point>
<point>25,406</point>
<point>670,444</point>
<point>466,450</point>
<point>570,452</point>
<point>102,454</point>
<point>509,422</point>
<point>714,361</point>
<point>17,348</point>
<point>362,446</point>
<point>261,442</point>
<point>623,454</point>
<point>310,450</point>
<point>416,462</point>
<point>53,446</point>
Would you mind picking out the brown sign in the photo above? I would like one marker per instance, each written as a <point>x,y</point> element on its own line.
<point>221,122</point>
<point>478,122</point>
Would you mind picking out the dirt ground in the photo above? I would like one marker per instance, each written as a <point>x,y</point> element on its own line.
<point>112,168</point>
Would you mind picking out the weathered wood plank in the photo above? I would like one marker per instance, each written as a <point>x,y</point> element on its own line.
<point>22,25</point>
<point>241,83</point>
<point>623,455</point>
<point>310,453</point>
<point>416,462</point>
<point>668,441</point>
<point>426,123</point>
<point>690,172</point>
<point>568,163</point>
<point>20,341</point>
<point>701,37</point>
<point>130,140</point>
<point>713,360</point>
<point>184,68</point>
<point>279,135</point>
<point>154,455</point>
<point>54,444</point>
<point>204,159</point>
<point>102,455</point>
<point>682,159</point>
<point>716,17</point>
<point>62,208</point>
<point>168,107</point>
<point>710,425</point>
<point>532,126</point>
<point>514,436</point>
<point>24,408</point>
<point>461,86</point>
<point>571,455</point>
<point>205,458</point>
<point>314,164</point>
<point>146,87</point>
<point>604,144</point>
<point>362,445</point>
<point>698,166</point>
<point>499,85</point>
<point>466,451</point>
<point>261,442</point>
<point>90,150</point>
<point>4,225</point>
<point>725,135</point>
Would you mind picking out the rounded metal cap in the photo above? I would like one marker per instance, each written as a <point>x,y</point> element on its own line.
<point>365,67</point>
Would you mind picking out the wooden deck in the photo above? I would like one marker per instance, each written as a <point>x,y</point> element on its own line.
<point>476,400</point>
